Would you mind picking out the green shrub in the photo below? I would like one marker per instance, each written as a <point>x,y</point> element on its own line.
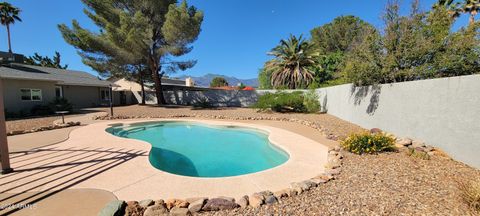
<point>281,102</point>
<point>311,102</point>
<point>289,102</point>
<point>368,143</point>
<point>61,104</point>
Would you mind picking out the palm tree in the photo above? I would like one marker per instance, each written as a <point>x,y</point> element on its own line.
<point>471,7</point>
<point>451,6</point>
<point>293,63</point>
<point>8,15</point>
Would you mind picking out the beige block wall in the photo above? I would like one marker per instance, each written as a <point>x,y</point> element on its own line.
<point>12,94</point>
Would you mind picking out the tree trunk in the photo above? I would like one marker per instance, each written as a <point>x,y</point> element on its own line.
<point>142,85</point>
<point>472,17</point>
<point>9,43</point>
<point>157,78</point>
<point>155,68</point>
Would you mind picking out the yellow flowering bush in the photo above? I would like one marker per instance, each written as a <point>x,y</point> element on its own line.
<point>368,143</point>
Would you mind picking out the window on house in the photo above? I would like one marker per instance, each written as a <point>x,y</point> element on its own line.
<point>58,92</point>
<point>105,94</point>
<point>31,94</point>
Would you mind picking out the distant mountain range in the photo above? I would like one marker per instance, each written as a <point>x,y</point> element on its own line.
<point>232,81</point>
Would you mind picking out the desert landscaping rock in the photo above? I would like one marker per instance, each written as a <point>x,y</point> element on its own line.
<point>243,201</point>
<point>216,204</point>
<point>281,194</point>
<point>194,199</point>
<point>404,142</point>
<point>256,200</point>
<point>134,209</point>
<point>231,199</point>
<point>145,203</point>
<point>156,210</point>
<point>197,205</point>
<point>333,171</point>
<point>301,186</point>
<point>113,208</point>
<point>418,144</point>
<point>318,181</point>
<point>170,203</point>
<point>176,211</point>
<point>270,199</point>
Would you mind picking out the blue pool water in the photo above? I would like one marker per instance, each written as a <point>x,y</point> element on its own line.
<point>193,149</point>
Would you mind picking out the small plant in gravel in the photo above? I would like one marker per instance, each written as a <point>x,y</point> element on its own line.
<point>418,154</point>
<point>470,192</point>
<point>368,143</point>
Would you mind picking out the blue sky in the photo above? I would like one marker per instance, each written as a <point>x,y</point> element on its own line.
<point>235,37</point>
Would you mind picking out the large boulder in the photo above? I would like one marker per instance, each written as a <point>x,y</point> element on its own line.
<point>113,208</point>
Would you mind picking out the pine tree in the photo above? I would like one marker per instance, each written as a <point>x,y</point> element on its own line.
<point>135,36</point>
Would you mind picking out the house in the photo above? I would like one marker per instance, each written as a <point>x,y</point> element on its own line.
<point>27,86</point>
<point>128,92</point>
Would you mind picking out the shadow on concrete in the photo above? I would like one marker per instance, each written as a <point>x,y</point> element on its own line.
<point>47,171</point>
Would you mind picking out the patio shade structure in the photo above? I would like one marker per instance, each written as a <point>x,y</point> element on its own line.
<point>4,155</point>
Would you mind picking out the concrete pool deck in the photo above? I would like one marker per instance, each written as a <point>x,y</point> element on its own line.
<point>93,158</point>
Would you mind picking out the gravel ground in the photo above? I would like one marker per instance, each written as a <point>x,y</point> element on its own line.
<point>28,124</point>
<point>383,184</point>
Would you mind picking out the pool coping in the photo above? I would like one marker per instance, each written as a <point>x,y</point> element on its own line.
<point>136,179</point>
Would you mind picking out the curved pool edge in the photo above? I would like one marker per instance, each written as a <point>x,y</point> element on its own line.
<point>136,179</point>
<point>215,126</point>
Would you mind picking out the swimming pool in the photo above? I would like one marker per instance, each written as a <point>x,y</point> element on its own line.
<point>201,150</point>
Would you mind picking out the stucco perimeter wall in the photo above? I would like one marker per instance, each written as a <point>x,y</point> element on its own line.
<point>442,112</point>
<point>214,97</point>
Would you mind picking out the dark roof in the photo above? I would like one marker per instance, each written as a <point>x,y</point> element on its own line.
<point>61,76</point>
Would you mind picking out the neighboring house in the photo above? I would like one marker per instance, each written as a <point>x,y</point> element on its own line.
<point>128,92</point>
<point>27,86</point>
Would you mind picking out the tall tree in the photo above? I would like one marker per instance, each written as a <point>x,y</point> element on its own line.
<point>340,35</point>
<point>292,63</point>
<point>46,61</point>
<point>137,34</point>
<point>8,15</point>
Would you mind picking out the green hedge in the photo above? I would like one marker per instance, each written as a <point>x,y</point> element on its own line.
<point>289,102</point>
